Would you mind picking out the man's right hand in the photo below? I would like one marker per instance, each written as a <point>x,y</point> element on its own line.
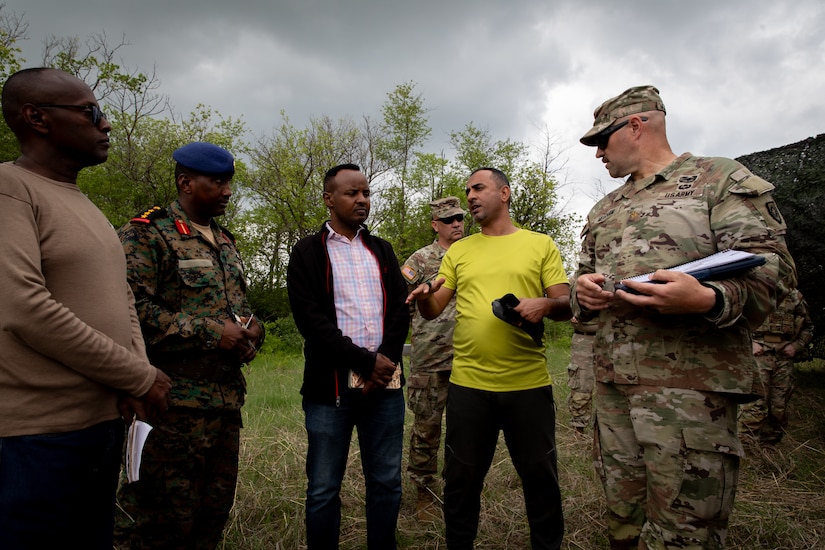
<point>590,294</point>
<point>151,404</point>
<point>424,290</point>
<point>383,371</point>
<point>238,340</point>
<point>157,397</point>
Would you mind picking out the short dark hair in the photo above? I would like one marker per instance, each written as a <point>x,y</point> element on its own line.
<point>332,172</point>
<point>17,90</point>
<point>498,176</point>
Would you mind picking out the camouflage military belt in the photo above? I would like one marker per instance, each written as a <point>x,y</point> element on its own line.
<point>209,367</point>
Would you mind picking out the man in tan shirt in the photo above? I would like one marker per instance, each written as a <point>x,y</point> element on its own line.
<point>70,341</point>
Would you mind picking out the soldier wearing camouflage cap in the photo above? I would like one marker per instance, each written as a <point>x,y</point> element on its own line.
<point>677,354</point>
<point>431,355</point>
<point>190,294</point>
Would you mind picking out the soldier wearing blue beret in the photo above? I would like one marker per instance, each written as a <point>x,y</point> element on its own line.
<point>205,158</point>
<point>190,294</point>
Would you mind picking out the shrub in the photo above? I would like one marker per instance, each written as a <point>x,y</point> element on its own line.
<point>282,337</point>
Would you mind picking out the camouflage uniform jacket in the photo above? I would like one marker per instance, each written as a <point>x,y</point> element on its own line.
<point>790,323</point>
<point>185,288</point>
<point>431,341</point>
<point>692,208</point>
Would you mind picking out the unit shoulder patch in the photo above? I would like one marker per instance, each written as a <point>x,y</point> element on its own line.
<point>773,210</point>
<point>408,273</point>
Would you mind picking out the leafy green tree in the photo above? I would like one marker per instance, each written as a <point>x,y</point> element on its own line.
<point>534,199</point>
<point>139,172</point>
<point>432,178</point>
<point>403,132</point>
<point>284,201</point>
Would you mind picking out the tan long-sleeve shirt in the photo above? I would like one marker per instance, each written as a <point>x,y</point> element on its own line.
<point>69,334</point>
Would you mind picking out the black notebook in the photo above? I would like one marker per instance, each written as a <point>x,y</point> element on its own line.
<point>721,265</point>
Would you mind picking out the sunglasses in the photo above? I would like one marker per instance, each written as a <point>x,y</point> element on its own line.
<point>93,110</point>
<point>603,137</point>
<point>451,219</point>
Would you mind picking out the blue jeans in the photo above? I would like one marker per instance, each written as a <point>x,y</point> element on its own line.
<point>58,490</point>
<point>379,419</point>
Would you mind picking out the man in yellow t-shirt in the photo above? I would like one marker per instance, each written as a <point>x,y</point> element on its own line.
<point>500,380</point>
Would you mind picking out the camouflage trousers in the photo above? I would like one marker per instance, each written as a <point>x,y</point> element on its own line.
<point>426,398</point>
<point>580,380</point>
<point>187,482</point>
<point>668,460</point>
<point>766,418</point>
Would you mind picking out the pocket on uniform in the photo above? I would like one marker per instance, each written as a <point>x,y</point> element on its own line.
<point>418,381</point>
<point>710,469</point>
<point>417,394</point>
<point>197,272</point>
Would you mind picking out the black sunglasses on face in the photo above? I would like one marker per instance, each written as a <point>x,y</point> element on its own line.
<point>95,112</point>
<point>451,219</point>
<point>604,136</point>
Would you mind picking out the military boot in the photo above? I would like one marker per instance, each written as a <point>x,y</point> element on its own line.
<point>426,505</point>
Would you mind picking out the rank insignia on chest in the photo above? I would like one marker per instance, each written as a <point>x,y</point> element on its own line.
<point>182,228</point>
<point>635,216</point>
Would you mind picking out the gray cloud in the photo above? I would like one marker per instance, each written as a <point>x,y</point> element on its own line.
<point>737,77</point>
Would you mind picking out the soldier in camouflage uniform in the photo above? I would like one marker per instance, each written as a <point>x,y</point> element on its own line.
<point>189,287</point>
<point>431,355</point>
<point>580,374</point>
<point>780,341</point>
<point>672,360</point>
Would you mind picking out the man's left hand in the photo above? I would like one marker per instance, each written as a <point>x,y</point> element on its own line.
<point>240,341</point>
<point>680,294</point>
<point>532,310</point>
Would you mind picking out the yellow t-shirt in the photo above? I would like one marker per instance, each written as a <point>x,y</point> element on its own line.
<point>488,353</point>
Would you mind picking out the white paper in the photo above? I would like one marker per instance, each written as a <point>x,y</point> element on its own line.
<point>135,439</point>
<point>714,260</point>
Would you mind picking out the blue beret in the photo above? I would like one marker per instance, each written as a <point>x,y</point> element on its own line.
<point>205,158</point>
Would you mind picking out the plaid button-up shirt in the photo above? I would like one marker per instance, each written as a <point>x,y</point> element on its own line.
<point>357,290</point>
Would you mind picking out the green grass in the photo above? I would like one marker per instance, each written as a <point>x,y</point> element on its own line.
<point>780,503</point>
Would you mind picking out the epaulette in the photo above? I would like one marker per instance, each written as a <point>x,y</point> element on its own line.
<point>149,215</point>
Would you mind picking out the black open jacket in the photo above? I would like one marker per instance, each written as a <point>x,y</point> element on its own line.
<point>329,355</point>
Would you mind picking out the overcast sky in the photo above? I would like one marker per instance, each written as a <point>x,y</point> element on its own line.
<point>736,76</point>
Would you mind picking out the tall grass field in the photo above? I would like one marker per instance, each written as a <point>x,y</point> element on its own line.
<point>780,503</point>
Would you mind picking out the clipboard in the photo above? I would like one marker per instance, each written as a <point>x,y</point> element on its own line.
<point>724,264</point>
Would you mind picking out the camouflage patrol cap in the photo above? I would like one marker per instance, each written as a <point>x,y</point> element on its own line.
<point>446,207</point>
<point>638,99</point>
